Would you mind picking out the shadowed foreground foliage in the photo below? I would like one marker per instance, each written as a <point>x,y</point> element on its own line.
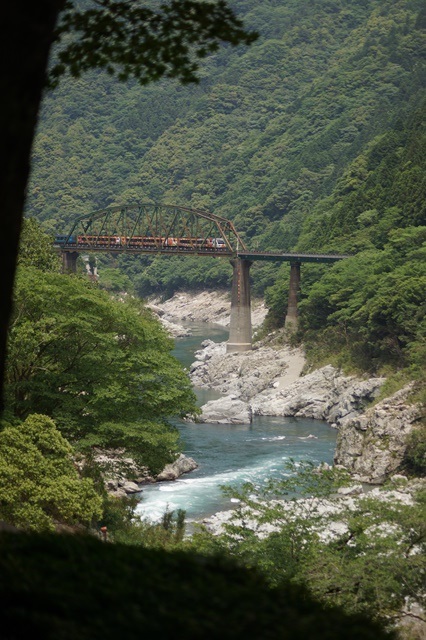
<point>76,587</point>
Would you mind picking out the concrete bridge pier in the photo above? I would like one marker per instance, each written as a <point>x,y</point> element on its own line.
<point>69,261</point>
<point>240,325</point>
<point>292,313</point>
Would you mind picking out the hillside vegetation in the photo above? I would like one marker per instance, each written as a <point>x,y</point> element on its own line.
<point>312,139</point>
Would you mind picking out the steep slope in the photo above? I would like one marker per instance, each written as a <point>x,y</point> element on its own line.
<point>267,131</point>
<point>371,308</point>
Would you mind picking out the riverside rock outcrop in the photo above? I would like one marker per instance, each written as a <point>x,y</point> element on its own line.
<point>243,375</point>
<point>175,469</point>
<point>122,476</point>
<point>174,329</point>
<point>268,381</point>
<point>324,394</point>
<point>372,446</point>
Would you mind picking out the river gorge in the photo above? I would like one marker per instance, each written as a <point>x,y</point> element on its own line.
<point>231,454</point>
<point>260,408</point>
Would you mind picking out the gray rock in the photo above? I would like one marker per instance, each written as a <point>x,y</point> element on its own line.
<point>256,377</point>
<point>399,479</point>
<point>372,446</point>
<point>130,487</point>
<point>206,306</point>
<point>227,410</point>
<point>175,330</point>
<point>118,469</point>
<point>242,374</point>
<point>118,493</point>
<point>156,309</point>
<point>195,365</point>
<point>323,394</point>
<point>353,490</point>
<point>175,469</point>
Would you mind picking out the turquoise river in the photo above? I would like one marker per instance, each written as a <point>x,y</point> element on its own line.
<point>231,454</point>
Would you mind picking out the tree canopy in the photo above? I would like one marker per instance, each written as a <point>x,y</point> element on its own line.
<point>101,368</point>
<point>39,483</point>
<point>130,39</point>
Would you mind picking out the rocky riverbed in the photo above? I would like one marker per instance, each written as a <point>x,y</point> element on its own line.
<point>266,381</point>
<point>269,381</point>
<point>206,306</point>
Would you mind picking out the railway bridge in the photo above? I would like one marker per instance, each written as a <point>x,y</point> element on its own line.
<point>174,230</point>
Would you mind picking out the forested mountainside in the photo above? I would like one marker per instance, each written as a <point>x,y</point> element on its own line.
<point>312,138</point>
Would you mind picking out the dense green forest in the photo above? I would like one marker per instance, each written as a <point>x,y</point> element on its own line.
<point>312,138</point>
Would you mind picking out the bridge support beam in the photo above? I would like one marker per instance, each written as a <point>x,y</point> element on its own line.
<point>240,325</point>
<point>69,261</point>
<point>292,313</point>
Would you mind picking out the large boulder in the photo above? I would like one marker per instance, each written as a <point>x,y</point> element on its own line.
<point>175,469</point>
<point>227,410</point>
<point>372,446</point>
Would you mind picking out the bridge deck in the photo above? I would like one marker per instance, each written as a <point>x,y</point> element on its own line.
<point>291,257</point>
<point>168,229</point>
<point>223,253</point>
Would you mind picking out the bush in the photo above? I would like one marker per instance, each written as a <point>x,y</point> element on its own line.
<point>415,453</point>
<point>39,484</point>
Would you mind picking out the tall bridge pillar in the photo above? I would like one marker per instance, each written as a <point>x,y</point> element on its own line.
<point>240,325</point>
<point>69,261</point>
<point>291,316</point>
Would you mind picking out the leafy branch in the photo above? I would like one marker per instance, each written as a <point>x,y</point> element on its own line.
<point>128,39</point>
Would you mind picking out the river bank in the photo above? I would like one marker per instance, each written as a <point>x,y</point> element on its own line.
<point>211,307</point>
<point>269,381</point>
<point>331,509</point>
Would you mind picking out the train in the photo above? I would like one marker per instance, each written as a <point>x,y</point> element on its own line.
<point>143,242</point>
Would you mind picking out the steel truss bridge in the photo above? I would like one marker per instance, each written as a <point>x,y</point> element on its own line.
<point>152,228</point>
<point>174,230</point>
<point>169,229</point>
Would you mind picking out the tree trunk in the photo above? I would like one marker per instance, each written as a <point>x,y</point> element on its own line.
<point>26,37</point>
